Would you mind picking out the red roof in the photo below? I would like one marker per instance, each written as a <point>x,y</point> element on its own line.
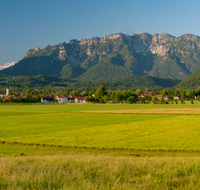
<point>81,98</point>
<point>149,95</point>
<point>61,96</point>
<point>5,97</point>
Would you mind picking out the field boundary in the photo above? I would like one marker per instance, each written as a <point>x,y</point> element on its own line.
<point>195,111</point>
<point>2,142</point>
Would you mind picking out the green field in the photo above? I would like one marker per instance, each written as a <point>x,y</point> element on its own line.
<point>64,131</point>
<point>87,107</point>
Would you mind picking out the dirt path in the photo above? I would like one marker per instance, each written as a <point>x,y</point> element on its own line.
<point>162,111</point>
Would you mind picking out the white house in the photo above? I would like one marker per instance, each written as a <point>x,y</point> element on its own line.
<point>80,99</point>
<point>61,99</point>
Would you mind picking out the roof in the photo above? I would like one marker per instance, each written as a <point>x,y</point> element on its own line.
<point>5,97</point>
<point>149,95</point>
<point>48,97</point>
<point>74,96</point>
<point>2,92</point>
<point>61,96</point>
<point>81,98</point>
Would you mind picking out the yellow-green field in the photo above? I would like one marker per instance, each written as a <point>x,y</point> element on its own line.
<point>106,132</point>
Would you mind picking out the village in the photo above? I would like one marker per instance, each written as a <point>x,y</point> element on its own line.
<point>110,97</point>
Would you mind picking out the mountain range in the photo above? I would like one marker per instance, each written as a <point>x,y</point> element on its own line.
<point>114,56</point>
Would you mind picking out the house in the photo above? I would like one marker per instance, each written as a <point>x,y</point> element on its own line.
<point>159,96</point>
<point>5,97</point>
<point>47,99</point>
<point>143,95</point>
<point>61,99</point>
<point>165,97</point>
<point>176,97</point>
<point>71,100</point>
<point>80,99</point>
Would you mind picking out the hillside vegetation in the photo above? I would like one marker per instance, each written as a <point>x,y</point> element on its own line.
<point>191,82</point>
<point>131,82</point>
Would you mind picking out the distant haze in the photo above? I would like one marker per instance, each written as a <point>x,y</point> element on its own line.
<point>8,65</point>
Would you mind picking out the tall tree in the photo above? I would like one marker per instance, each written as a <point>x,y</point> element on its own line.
<point>101,91</point>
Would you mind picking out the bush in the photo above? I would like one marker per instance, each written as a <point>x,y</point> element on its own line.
<point>176,101</point>
<point>162,101</point>
<point>131,100</point>
<point>182,102</point>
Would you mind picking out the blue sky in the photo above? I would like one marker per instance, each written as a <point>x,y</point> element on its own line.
<point>25,24</point>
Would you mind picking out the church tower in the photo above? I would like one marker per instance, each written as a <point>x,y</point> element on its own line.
<point>7,90</point>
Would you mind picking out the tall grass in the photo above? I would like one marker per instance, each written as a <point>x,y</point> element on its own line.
<point>99,172</point>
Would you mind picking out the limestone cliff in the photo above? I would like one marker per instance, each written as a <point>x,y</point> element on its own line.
<point>113,56</point>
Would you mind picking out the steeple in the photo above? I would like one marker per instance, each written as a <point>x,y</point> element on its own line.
<point>7,89</point>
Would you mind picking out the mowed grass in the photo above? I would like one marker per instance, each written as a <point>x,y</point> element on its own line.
<point>99,172</point>
<point>86,107</point>
<point>136,131</point>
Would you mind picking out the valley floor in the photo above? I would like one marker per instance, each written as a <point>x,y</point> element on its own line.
<point>99,146</point>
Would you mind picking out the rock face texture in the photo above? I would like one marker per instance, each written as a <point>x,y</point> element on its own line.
<point>114,56</point>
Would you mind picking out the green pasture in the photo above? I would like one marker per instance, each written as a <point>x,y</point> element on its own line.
<point>58,147</point>
<point>86,107</point>
<point>136,131</point>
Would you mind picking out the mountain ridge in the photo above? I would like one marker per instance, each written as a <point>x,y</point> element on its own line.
<point>114,56</point>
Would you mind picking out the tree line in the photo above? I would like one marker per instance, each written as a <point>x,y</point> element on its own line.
<point>102,95</point>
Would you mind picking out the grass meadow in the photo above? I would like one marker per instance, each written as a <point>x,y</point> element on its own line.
<point>66,147</point>
<point>99,172</point>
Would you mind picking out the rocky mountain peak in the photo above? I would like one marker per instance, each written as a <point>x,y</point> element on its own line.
<point>160,45</point>
<point>37,48</point>
<point>116,55</point>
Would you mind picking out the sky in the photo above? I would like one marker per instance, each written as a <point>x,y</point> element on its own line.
<point>25,24</point>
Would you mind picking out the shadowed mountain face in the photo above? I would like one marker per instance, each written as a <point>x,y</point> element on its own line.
<point>114,56</point>
<point>129,82</point>
<point>190,82</point>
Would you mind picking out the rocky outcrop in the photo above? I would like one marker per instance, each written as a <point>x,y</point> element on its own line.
<point>159,55</point>
<point>161,44</point>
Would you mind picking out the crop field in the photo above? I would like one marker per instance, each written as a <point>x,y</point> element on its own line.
<point>88,107</point>
<point>33,135</point>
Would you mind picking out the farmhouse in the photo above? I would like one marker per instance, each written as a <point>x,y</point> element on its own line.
<point>176,97</point>
<point>142,95</point>
<point>159,96</point>
<point>61,99</point>
<point>165,97</point>
<point>47,99</point>
<point>71,100</point>
<point>80,99</point>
